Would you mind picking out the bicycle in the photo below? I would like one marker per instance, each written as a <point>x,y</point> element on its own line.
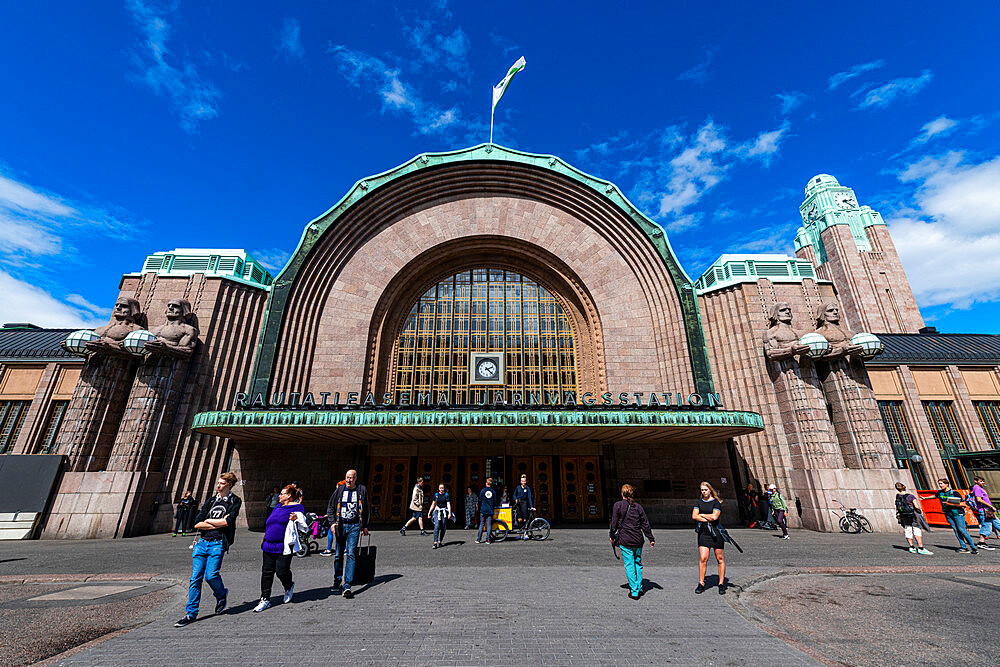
<point>534,528</point>
<point>852,521</point>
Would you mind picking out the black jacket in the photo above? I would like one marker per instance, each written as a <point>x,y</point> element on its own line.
<point>333,507</point>
<point>631,523</point>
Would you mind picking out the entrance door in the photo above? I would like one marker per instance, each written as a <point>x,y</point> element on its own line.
<point>580,488</point>
<point>439,470</point>
<point>539,472</point>
<point>388,487</point>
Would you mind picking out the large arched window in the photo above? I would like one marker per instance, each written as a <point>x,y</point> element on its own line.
<point>485,310</point>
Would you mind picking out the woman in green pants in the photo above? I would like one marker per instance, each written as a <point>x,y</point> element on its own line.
<point>629,524</point>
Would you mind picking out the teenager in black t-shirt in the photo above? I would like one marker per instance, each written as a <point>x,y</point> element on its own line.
<point>706,512</point>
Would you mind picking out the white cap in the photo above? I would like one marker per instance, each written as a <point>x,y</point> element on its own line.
<point>771,487</point>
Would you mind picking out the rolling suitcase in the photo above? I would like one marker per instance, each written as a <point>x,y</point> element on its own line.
<point>364,562</point>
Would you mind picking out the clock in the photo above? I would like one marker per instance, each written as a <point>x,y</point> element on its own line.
<point>811,212</point>
<point>847,201</point>
<point>486,368</point>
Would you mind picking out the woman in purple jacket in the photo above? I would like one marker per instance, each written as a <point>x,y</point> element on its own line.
<point>629,523</point>
<point>277,552</point>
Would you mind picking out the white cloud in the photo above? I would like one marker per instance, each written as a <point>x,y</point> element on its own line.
<point>942,126</point>
<point>790,101</point>
<point>81,302</point>
<point>273,259</point>
<point>372,74</point>
<point>884,95</point>
<point>290,40</point>
<point>766,146</point>
<point>841,78</point>
<point>949,237</point>
<point>699,73</point>
<point>23,302</point>
<point>192,98</point>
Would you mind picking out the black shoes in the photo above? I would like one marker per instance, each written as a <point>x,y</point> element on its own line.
<point>402,531</point>
<point>700,588</point>
<point>220,604</point>
<point>722,589</point>
<point>337,590</point>
<point>634,597</point>
<point>423,532</point>
<point>187,620</point>
<point>348,594</point>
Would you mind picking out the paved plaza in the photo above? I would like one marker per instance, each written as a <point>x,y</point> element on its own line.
<point>815,599</point>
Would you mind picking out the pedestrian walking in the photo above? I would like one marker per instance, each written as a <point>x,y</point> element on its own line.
<point>416,508</point>
<point>909,514</point>
<point>706,513</point>
<point>628,525</point>
<point>273,500</point>
<point>751,500</point>
<point>779,509</point>
<point>350,510</point>
<point>487,502</point>
<point>953,506</point>
<point>281,541</point>
<point>185,512</point>
<point>439,513</point>
<point>471,502</point>
<point>986,513</point>
<point>217,523</point>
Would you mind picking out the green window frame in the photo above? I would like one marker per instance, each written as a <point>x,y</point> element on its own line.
<point>57,412</point>
<point>989,417</point>
<point>947,433</point>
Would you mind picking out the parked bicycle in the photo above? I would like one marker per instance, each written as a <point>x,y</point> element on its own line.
<point>852,521</point>
<point>534,528</point>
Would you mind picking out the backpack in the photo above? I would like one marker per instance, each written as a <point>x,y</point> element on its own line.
<point>904,507</point>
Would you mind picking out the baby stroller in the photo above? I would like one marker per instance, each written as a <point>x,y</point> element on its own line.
<point>318,528</point>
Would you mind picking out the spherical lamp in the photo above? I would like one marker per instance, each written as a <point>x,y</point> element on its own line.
<point>817,343</point>
<point>76,342</point>
<point>136,341</point>
<point>870,342</point>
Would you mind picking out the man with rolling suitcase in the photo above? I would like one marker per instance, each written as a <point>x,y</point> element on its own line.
<point>349,510</point>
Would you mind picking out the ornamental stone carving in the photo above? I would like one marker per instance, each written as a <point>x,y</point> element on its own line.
<point>781,341</point>
<point>178,336</point>
<point>828,326</point>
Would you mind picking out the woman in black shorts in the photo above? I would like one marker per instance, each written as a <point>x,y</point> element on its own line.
<point>706,512</point>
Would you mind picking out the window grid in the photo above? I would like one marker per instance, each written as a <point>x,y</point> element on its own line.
<point>11,416</point>
<point>485,310</point>
<point>895,426</point>
<point>944,426</point>
<point>989,417</point>
<point>56,415</point>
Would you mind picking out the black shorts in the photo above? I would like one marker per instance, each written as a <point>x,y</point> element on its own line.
<point>705,539</point>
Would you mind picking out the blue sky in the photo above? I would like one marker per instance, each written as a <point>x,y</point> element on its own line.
<point>140,126</point>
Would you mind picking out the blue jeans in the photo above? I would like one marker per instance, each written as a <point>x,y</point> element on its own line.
<point>440,526</point>
<point>957,524</point>
<point>347,541</point>
<point>206,560</point>
<point>632,559</point>
<point>485,520</point>
<point>987,526</point>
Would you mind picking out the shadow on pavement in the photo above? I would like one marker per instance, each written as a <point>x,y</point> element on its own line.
<point>453,543</point>
<point>385,578</point>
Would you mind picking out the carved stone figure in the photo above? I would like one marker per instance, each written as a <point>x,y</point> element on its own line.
<point>125,318</point>
<point>781,341</point>
<point>177,337</point>
<point>828,324</point>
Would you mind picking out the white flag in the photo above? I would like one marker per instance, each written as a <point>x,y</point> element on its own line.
<point>501,88</point>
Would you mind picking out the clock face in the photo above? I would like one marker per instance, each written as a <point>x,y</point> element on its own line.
<point>846,201</point>
<point>811,213</point>
<point>486,369</point>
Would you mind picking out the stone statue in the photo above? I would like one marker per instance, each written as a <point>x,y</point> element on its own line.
<point>781,341</point>
<point>125,318</point>
<point>177,337</point>
<point>828,324</point>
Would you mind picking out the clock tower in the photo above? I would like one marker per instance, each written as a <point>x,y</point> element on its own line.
<point>850,246</point>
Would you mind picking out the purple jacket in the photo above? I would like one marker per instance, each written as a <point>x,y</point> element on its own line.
<point>274,529</point>
<point>631,524</point>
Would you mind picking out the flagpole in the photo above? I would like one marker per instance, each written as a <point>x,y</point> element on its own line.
<point>492,109</point>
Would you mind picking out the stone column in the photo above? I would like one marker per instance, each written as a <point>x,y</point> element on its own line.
<point>811,439</point>
<point>95,411</point>
<point>856,417</point>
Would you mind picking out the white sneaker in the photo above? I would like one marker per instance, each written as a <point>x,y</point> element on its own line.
<point>288,594</point>
<point>262,605</point>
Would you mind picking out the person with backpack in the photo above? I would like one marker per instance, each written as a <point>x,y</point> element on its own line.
<point>439,513</point>
<point>909,514</point>
<point>217,523</point>
<point>628,525</point>
<point>953,506</point>
<point>986,513</point>
<point>779,508</point>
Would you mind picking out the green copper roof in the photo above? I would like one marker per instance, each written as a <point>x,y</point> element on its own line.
<point>697,349</point>
<point>734,269</point>
<point>829,203</point>
<point>228,263</point>
<point>250,419</point>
